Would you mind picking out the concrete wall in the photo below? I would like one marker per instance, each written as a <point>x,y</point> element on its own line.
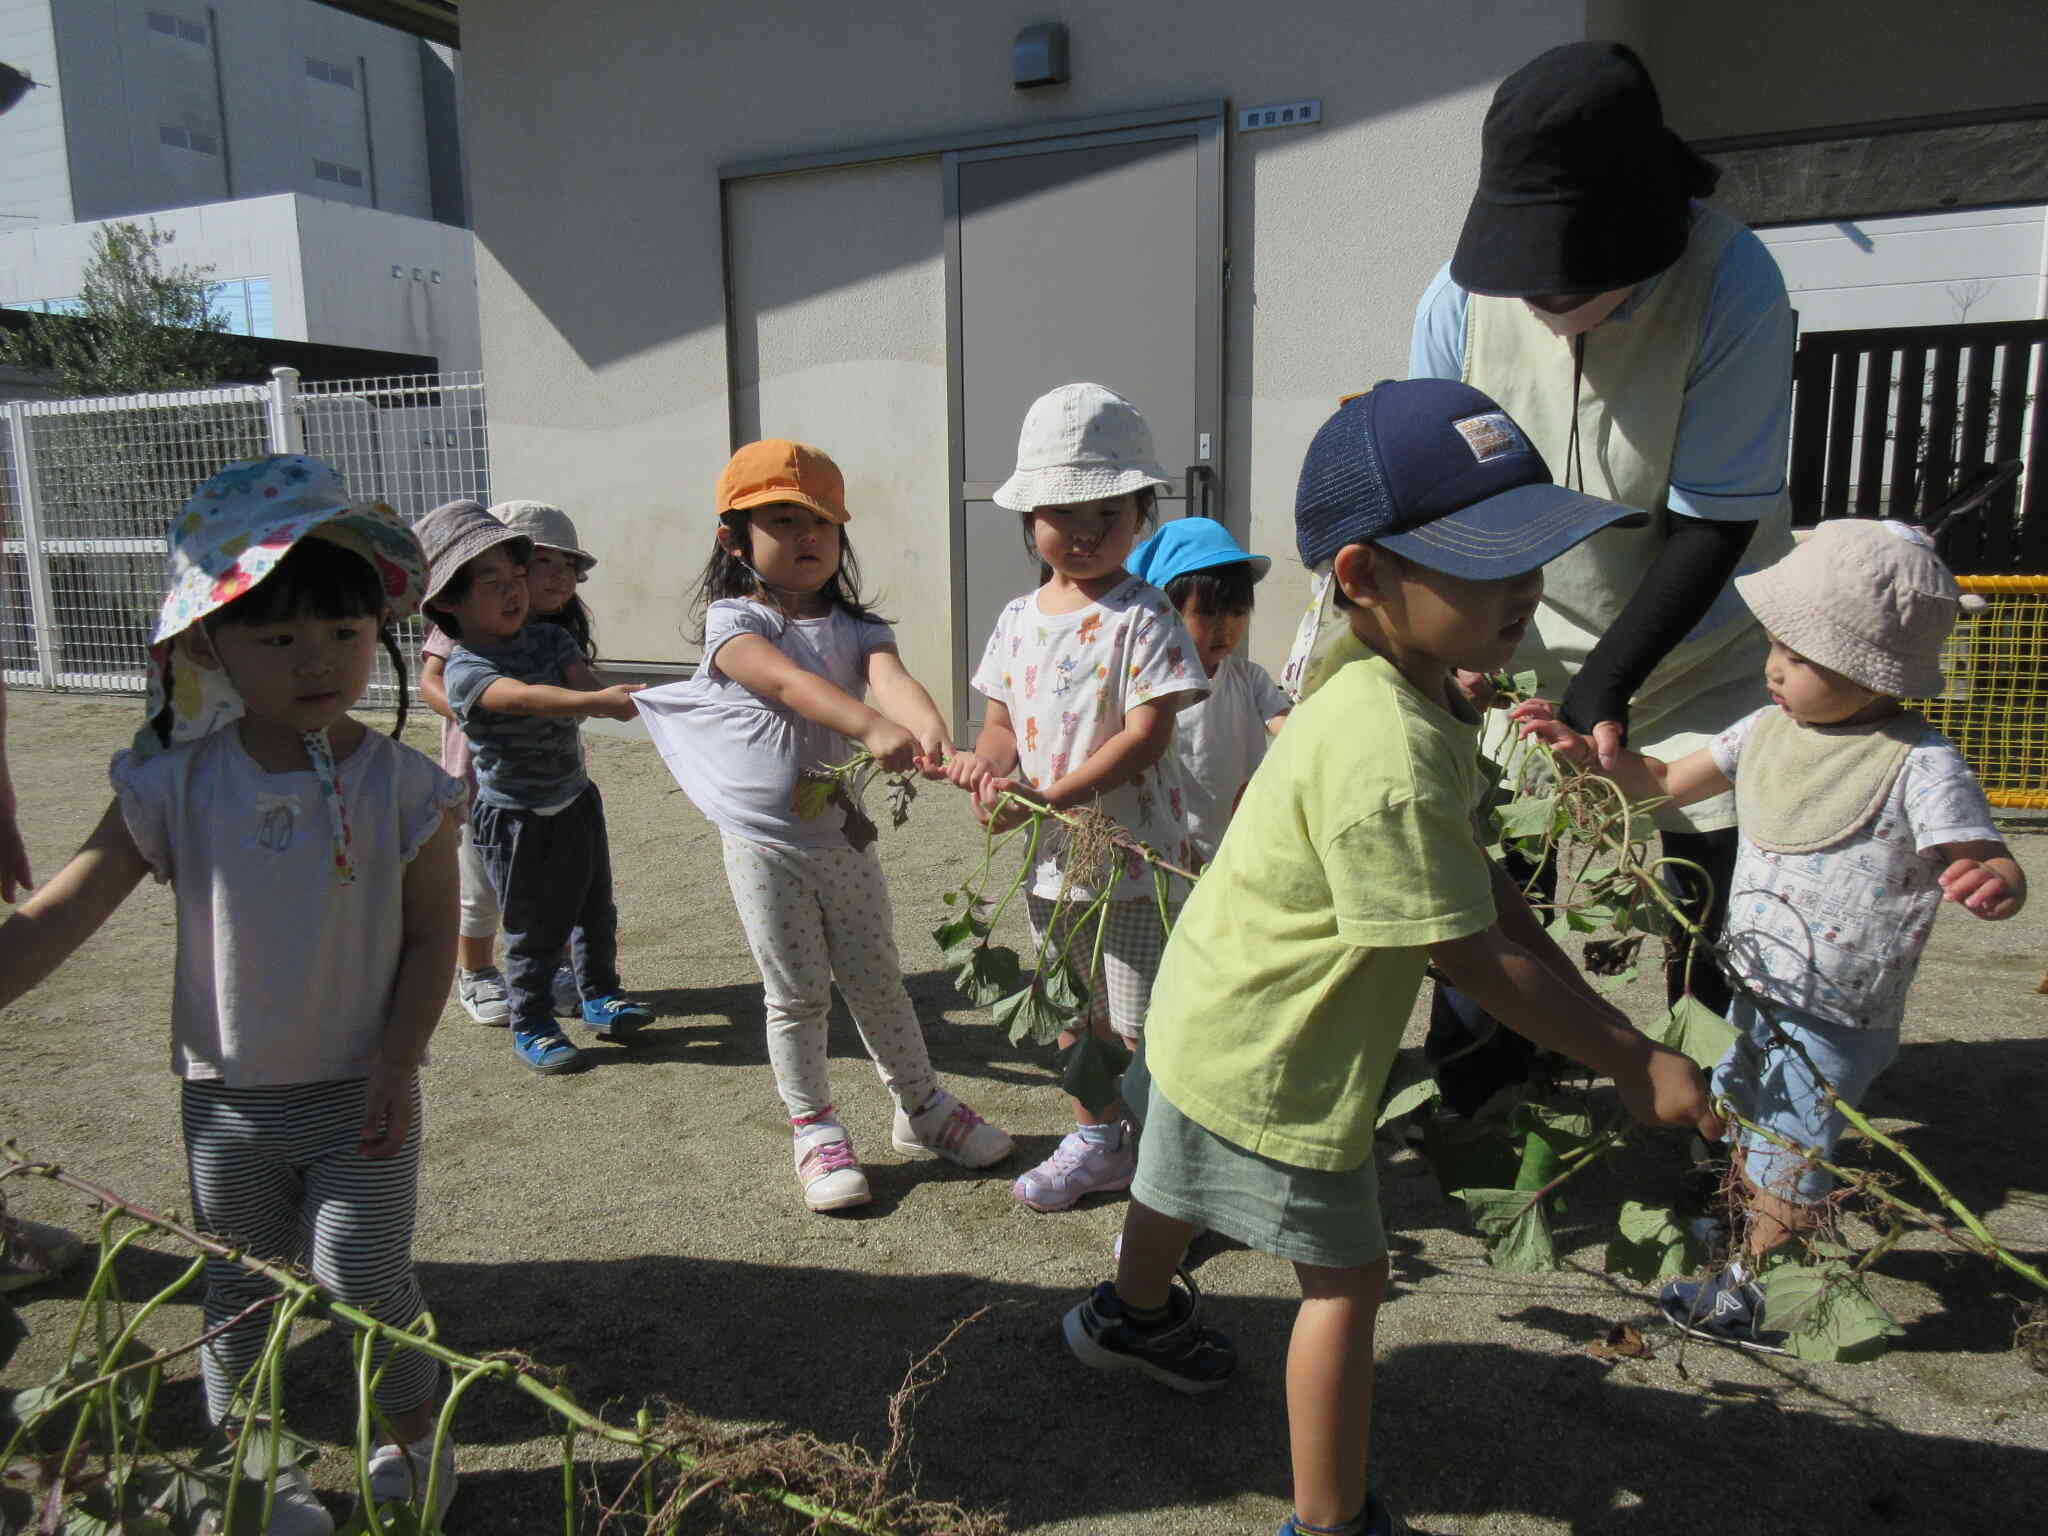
<point>329,265</point>
<point>246,87</point>
<point>35,179</point>
<point>1738,67</point>
<point>599,261</point>
<point>1938,269</point>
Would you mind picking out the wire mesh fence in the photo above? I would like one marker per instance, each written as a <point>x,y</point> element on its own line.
<point>1996,705</point>
<point>87,488</point>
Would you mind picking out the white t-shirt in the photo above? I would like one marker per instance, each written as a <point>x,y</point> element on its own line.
<point>1837,933</point>
<point>284,975</point>
<point>1067,680</point>
<point>740,757</point>
<point>1219,741</point>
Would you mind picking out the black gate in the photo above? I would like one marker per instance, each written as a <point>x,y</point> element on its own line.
<point>1896,422</point>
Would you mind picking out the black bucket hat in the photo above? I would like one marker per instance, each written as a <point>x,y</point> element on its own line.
<point>1582,189</point>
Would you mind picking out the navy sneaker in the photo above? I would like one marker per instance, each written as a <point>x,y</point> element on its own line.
<point>1728,1309</point>
<point>1179,1352</point>
<point>1375,1520</point>
<point>547,1051</point>
<point>615,1016</point>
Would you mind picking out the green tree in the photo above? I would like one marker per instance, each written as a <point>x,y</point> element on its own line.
<point>140,325</point>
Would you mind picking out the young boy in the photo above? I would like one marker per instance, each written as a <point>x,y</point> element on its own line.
<point>518,690</point>
<point>1221,737</point>
<point>1353,862</point>
<point>1857,820</point>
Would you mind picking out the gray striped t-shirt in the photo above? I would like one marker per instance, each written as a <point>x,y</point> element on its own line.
<point>523,762</point>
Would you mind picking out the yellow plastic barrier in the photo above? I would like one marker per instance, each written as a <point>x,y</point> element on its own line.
<point>1996,704</point>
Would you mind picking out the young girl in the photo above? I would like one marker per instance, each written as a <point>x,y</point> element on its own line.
<point>1219,740</point>
<point>1083,677</point>
<point>789,650</point>
<point>556,564</point>
<point>313,866</point>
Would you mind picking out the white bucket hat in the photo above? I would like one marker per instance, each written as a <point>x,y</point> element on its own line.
<point>1870,600</point>
<point>1080,442</point>
<point>549,527</point>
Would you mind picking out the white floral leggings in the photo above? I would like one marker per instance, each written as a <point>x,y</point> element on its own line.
<point>812,916</point>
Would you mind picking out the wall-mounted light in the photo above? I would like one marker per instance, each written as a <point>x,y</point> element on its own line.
<point>436,277</point>
<point>397,270</point>
<point>1039,56</point>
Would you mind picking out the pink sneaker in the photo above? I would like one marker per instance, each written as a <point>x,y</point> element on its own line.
<point>947,1128</point>
<point>1077,1167</point>
<point>826,1168</point>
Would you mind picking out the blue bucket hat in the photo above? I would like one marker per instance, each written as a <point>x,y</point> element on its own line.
<point>1439,473</point>
<point>1190,544</point>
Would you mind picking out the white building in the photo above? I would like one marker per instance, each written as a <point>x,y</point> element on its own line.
<point>310,158</point>
<point>1929,269</point>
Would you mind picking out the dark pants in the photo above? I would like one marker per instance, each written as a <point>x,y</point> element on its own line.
<point>1474,1057</point>
<point>553,878</point>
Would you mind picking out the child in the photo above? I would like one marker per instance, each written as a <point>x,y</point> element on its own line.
<point>1353,862</point>
<point>789,649</point>
<point>538,821</point>
<point>1857,821</point>
<point>1083,677</point>
<point>555,564</point>
<point>1220,739</point>
<point>313,866</point>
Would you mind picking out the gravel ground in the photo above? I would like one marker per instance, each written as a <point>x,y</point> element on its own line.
<point>638,1225</point>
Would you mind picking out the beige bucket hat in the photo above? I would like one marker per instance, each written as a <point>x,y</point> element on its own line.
<point>549,527</point>
<point>1870,600</point>
<point>1080,442</point>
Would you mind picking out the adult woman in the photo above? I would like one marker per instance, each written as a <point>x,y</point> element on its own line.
<point>1645,344</point>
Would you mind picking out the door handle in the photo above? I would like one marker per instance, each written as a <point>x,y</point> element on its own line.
<point>1201,504</point>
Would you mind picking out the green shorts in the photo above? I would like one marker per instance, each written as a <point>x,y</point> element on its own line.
<point>1303,1215</point>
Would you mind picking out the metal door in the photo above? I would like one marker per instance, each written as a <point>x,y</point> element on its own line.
<point>1092,257</point>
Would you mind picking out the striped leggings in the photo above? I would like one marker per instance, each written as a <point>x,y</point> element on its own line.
<point>275,1170</point>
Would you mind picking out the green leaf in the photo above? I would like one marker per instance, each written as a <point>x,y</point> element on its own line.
<point>1092,1069</point>
<point>1528,816</point>
<point>1524,683</point>
<point>1516,1228</point>
<point>959,938</point>
<point>1696,1030</point>
<point>1826,1312</point>
<point>1466,1156</point>
<point>1410,1085</point>
<point>1651,1244</point>
<point>1064,989</point>
<point>1027,1016</point>
<point>990,973</point>
<point>1617,981</point>
<point>813,798</point>
<point>949,897</point>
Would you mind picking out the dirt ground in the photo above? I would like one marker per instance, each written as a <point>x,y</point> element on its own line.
<point>638,1224</point>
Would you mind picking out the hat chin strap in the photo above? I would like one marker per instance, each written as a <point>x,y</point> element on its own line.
<point>1576,322</point>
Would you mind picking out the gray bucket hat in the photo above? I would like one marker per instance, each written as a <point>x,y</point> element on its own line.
<point>455,533</point>
<point>1870,600</point>
<point>549,527</point>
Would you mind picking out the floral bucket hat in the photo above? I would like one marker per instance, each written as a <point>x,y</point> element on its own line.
<point>230,535</point>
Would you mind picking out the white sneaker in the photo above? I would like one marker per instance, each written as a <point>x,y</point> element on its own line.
<point>398,1475</point>
<point>295,1510</point>
<point>1078,1167</point>
<point>482,995</point>
<point>826,1168</point>
<point>947,1128</point>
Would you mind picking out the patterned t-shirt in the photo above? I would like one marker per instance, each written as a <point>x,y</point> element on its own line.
<point>1067,680</point>
<point>1837,933</point>
<point>523,762</point>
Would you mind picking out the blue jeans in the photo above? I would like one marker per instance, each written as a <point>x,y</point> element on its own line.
<point>1772,1086</point>
<point>553,878</point>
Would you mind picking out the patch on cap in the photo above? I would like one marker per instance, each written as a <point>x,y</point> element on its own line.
<point>1490,436</point>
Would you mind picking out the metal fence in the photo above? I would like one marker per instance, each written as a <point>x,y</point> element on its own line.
<point>87,488</point>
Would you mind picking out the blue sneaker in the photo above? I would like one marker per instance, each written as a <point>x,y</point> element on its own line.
<point>1728,1309</point>
<point>1374,1520</point>
<point>615,1016</point>
<point>547,1051</point>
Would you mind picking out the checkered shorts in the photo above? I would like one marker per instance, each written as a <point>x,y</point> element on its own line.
<point>1120,990</point>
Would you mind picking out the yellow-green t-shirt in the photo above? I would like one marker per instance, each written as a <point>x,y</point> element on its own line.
<point>1289,978</point>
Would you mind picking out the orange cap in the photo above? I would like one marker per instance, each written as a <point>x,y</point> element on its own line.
<point>776,469</point>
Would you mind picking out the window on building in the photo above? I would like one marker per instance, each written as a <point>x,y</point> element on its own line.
<point>177,136</point>
<point>334,74</point>
<point>243,305</point>
<point>344,175</point>
<point>177,26</point>
<point>70,306</point>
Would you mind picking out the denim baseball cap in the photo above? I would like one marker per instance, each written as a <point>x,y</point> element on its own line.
<point>1190,544</point>
<point>1439,473</point>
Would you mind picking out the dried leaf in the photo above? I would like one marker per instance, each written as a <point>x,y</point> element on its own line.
<point>1622,1343</point>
